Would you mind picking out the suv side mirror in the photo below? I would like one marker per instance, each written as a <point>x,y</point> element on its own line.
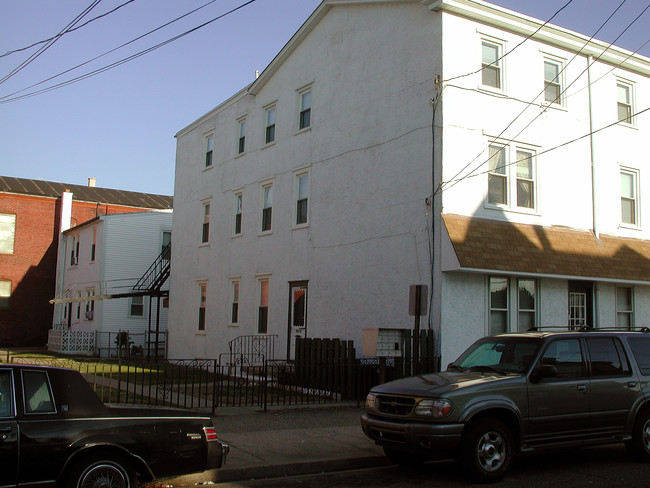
<point>543,371</point>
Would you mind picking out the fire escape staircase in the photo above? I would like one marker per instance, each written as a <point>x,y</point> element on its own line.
<point>154,278</point>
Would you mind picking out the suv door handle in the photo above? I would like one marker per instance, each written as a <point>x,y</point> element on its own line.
<point>581,388</point>
<point>631,384</point>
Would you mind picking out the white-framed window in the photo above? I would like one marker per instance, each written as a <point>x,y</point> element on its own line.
<point>78,306</point>
<point>239,203</point>
<point>5,294</point>
<point>625,101</point>
<point>263,288</point>
<point>205,227</point>
<point>7,233</point>
<point>93,246</point>
<point>209,149</point>
<point>512,176</point>
<point>90,305</point>
<point>234,302</point>
<point>269,132</point>
<point>267,206</point>
<point>492,63</point>
<point>624,307</point>
<point>136,306</point>
<point>241,139</point>
<point>301,192</point>
<point>74,250</point>
<point>629,197</point>
<point>553,86</point>
<point>511,301</point>
<point>203,300</point>
<point>304,119</point>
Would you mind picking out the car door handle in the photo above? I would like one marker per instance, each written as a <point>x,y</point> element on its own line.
<point>631,384</point>
<point>581,388</point>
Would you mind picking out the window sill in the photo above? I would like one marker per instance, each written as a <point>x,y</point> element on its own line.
<point>204,244</point>
<point>554,106</point>
<point>233,325</point>
<point>207,168</point>
<point>265,233</point>
<point>302,131</point>
<point>268,144</point>
<point>488,90</point>
<point>630,227</point>
<point>507,209</point>
<point>629,126</point>
<point>300,226</point>
<point>240,155</point>
<point>200,333</point>
<point>236,236</point>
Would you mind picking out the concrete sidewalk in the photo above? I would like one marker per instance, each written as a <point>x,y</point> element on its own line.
<point>288,441</point>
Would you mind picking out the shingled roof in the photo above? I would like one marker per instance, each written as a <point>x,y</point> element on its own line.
<point>82,193</point>
<point>483,245</point>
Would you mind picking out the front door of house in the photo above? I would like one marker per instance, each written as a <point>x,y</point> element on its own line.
<point>580,304</point>
<point>297,315</point>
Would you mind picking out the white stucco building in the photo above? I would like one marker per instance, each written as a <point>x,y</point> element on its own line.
<point>451,143</point>
<point>98,288</point>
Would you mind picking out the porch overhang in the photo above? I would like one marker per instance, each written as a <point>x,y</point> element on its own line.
<point>487,246</point>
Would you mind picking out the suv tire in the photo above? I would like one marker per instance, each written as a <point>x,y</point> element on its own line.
<point>639,445</point>
<point>486,451</point>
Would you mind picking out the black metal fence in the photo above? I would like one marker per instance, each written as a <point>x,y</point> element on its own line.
<point>210,384</point>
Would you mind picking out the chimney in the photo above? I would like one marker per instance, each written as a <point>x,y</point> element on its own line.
<point>91,182</point>
<point>66,210</point>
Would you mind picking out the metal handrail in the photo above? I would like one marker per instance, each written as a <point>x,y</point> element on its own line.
<point>157,273</point>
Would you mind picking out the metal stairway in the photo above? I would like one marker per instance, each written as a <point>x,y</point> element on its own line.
<point>154,278</point>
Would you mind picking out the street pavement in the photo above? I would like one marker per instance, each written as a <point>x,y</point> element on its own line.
<point>288,441</point>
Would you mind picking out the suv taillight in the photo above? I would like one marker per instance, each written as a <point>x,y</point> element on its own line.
<point>210,434</point>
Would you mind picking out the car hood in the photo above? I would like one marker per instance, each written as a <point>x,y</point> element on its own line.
<point>440,383</point>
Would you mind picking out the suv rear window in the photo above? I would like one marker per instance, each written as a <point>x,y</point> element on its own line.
<point>607,357</point>
<point>641,349</point>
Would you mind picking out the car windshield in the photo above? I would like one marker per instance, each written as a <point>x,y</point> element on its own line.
<point>503,355</point>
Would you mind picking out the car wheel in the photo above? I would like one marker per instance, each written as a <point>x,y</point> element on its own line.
<point>404,458</point>
<point>639,445</point>
<point>102,471</point>
<point>486,451</point>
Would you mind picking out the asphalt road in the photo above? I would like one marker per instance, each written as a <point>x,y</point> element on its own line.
<point>600,467</point>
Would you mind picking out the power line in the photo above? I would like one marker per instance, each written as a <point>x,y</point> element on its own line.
<point>29,60</point>
<point>66,32</point>
<point>7,99</point>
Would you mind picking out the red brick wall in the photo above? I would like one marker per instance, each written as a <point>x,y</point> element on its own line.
<point>32,267</point>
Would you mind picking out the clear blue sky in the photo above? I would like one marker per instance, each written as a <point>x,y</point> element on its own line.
<point>119,126</point>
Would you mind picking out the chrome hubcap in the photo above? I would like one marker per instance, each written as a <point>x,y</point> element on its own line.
<point>491,451</point>
<point>645,435</point>
<point>104,476</point>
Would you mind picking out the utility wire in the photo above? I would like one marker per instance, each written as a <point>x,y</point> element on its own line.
<point>44,48</point>
<point>67,31</point>
<point>7,99</point>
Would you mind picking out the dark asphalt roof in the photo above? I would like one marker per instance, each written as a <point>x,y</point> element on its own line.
<point>82,193</point>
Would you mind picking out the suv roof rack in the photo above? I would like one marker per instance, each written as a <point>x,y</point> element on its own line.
<point>587,328</point>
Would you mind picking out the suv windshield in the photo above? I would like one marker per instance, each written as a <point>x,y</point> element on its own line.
<point>498,354</point>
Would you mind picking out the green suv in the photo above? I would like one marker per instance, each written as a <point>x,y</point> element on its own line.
<point>516,393</point>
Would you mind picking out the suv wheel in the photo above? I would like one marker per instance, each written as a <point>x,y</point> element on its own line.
<point>486,451</point>
<point>639,445</point>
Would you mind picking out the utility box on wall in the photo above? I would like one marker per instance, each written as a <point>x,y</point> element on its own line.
<point>382,342</point>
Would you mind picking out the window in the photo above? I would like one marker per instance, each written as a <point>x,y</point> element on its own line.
<point>234,302</point>
<point>79,306</point>
<point>6,395</point>
<point>74,251</point>
<point>267,206</point>
<point>37,391</point>
<point>629,207</point>
<point>302,198</point>
<point>641,349</point>
<point>136,306</point>
<point>209,143</point>
<point>5,294</point>
<point>205,229</point>
<point>624,98</point>
<point>624,308</point>
<point>90,305</point>
<point>498,321</point>
<point>491,65</point>
<point>511,177</point>
<point>239,198</point>
<point>203,287</point>
<point>7,233</point>
<point>552,83</point>
<point>241,142</point>
<point>263,308</point>
<point>566,356</point>
<point>270,125</point>
<point>305,109</point>
<point>93,247</point>
<point>607,357</point>
<point>166,241</point>
<point>527,299</point>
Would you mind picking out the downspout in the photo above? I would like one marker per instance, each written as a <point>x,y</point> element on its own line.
<point>596,291</point>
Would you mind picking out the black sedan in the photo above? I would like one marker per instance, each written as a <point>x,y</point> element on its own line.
<point>55,431</point>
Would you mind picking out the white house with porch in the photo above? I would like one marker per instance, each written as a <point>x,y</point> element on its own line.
<point>494,157</point>
<point>112,286</point>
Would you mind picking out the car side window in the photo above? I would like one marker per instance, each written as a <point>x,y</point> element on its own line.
<point>641,349</point>
<point>5,394</point>
<point>566,355</point>
<point>607,357</point>
<point>38,395</point>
